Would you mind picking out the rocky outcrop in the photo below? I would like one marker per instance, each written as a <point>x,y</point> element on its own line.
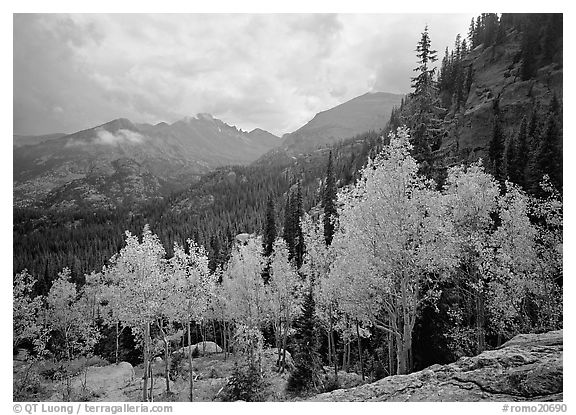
<point>496,79</point>
<point>527,368</point>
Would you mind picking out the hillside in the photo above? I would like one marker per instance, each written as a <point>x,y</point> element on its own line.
<point>121,162</point>
<point>497,78</point>
<point>28,140</point>
<point>367,112</point>
<point>498,98</point>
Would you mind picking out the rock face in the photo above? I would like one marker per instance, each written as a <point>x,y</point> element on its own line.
<point>526,368</point>
<point>496,78</point>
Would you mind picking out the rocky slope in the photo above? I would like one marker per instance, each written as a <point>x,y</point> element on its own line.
<point>527,368</point>
<point>122,162</point>
<point>496,78</point>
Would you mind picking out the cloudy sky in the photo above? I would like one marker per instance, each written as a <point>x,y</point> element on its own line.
<point>251,70</point>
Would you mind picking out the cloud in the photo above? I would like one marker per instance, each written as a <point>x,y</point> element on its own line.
<point>269,71</point>
<point>120,137</point>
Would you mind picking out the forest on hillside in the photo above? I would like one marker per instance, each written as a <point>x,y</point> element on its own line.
<point>373,256</point>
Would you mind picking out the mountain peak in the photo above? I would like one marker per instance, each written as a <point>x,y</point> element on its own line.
<point>370,111</point>
<point>118,124</point>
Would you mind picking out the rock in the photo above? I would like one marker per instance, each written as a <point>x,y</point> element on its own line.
<point>106,383</point>
<point>243,238</point>
<point>271,356</point>
<point>346,380</point>
<point>527,368</point>
<point>206,347</point>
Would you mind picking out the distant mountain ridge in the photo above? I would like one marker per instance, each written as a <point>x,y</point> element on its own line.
<point>120,161</point>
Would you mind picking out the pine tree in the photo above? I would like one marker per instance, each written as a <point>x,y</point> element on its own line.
<point>288,233</point>
<point>516,155</point>
<point>490,29</point>
<point>471,36</point>
<point>269,238</point>
<point>478,33</point>
<point>496,151</point>
<point>297,213</point>
<point>328,202</point>
<point>426,56</point>
<point>530,47</point>
<point>424,124</point>
<point>549,153</point>
<point>307,360</point>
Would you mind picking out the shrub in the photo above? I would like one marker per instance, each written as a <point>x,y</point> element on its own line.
<point>177,363</point>
<point>195,352</point>
<point>245,384</point>
<point>331,384</point>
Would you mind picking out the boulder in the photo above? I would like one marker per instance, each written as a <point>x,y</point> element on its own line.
<point>526,368</point>
<point>271,356</point>
<point>107,383</point>
<point>206,347</point>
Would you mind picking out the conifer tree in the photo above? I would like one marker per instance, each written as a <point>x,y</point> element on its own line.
<point>269,238</point>
<point>549,153</point>
<point>288,233</point>
<point>297,212</point>
<point>328,202</point>
<point>471,32</point>
<point>424,124</point>
<point>496,151</point>
<point>516,155</point>
<point>306,375</point>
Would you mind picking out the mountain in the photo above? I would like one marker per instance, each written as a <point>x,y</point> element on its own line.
<point>368,112</point>
<point>28,140</point>
<point>122,162</point>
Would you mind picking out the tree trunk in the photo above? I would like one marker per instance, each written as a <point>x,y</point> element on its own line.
<point>166,355</point>
<point>226,351</point>
<point>404,349</point>
<point>167,364</point>
<point>117,340</point>
<point>360,350</point>
<point>349,354</point>
<point>334,354</point>
<point>279,348</point>
<point>203,334</point>
<point>333,344</point>
<point>190,364</point>
<point>222,338</point>
<point>329,347</point>
<point>480,336</point>
<point>284,341</point>
<point>151,381</point>
<point>146,359</point>
<point>344,365</point>
<point>390,354</point>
